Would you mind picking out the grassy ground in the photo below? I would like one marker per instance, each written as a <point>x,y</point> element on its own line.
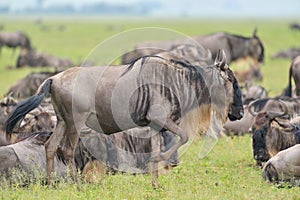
<point>228,172</point>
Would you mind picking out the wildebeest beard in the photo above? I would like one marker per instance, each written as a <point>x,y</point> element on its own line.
<point>236,110</point>
<point>259,144</point>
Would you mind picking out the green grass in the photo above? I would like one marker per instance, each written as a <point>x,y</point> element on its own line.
<point>228,172</point>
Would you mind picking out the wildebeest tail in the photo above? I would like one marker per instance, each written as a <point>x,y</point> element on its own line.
<point>26,106</point>
<point>289,89</point>
<point>270,173</point>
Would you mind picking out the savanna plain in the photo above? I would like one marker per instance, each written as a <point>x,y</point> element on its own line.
<point>227,172</point>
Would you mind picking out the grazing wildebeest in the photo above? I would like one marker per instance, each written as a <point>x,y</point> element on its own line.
<point>272,134</point>
<point>235,47</point>
<point>163,94</point>
<point>295,74</point>
<point>288,53</point>
<point>284,166</point>
<point>33,59</point>
<point>27,86</point>
<point>14,40</point>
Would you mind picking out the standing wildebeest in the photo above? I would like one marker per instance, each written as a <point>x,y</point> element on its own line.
<point>295,73</point>
<point>235,47</point>
<point>272,134</point>
<point>152,91</point>
<point>14,39</point>
<point>34,59</point>
<point>284,166</point>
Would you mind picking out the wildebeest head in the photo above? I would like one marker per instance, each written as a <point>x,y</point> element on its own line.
<point>261,129</point>
<point>232,89</point>
<point>257,48</point>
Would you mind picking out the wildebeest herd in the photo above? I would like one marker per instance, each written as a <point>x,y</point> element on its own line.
<point>134,117</point>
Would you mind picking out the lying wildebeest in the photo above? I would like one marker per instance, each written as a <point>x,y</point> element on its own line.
<point>242,126</point>
<point>288,53</point>
<point>253,92</point>
<point>28,155</point>
<point>272,134</point>
<point>27,86</point>
<point>295,74</point>
<point>14,40</point>
<point>163,94</point>
<point>284,166</point>
<point>235,47</point>
<point>33,59</point>
<point>119,152</point>
<point>249,75</point>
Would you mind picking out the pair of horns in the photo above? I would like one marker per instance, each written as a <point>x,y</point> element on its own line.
<point>272,115</point>
<point>220,60</point>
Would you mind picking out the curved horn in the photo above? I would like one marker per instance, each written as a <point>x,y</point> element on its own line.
<point>273,115</point>
<point>251,110</point>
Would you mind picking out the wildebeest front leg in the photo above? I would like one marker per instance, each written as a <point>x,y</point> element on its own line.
<point>175,129</point>
<point>155,152</point>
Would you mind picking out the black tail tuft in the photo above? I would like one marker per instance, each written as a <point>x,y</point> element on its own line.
<point>26,106</point>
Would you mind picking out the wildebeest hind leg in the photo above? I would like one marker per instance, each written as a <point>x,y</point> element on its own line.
<point>71,138</point>
<point>51,148</point>
<point>175,129</point>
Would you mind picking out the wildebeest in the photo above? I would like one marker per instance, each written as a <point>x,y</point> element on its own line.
<point>117,153</point>
<point>284,166</point>
<point>32,58</point>
<point>253,92</point>
<point>288,53</point>
<point>250,94</point>
<point>294,26</point>
<point>235,46</point>
<point>28,155</point>
<point>295,74</point>
<point>14,40</point>
<point>249,75</point>
<point>272,134</point>
<point>27,86</point>
<point>163,94</point>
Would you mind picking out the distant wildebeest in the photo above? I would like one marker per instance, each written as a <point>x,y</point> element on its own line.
<point>27,86</point>
<point>14,40</point>
<point>163,94</point>
<point>284,166</point>
<point>288,53</point>
<point>249,75</point>
<point>33,59</point>
<point>272,134</point>
<point>295,27</point>
<point>235,47</point>
<point>295,74</point>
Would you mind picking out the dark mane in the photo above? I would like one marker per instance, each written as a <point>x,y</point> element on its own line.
<point>143,58</point>
<point>183,63</point>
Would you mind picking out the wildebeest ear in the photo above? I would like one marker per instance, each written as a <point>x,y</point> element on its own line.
<point>220,60</point>
<point>254,33</point>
